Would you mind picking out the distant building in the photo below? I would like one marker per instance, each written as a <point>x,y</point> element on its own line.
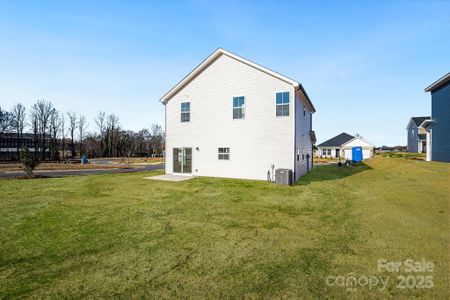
<point>438,126</point>
<point>342,145</point>
<point>10,144</point>
<point>417,138</point>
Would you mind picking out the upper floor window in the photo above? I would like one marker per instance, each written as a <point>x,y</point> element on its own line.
<point>238,107</point>
<point>282,104</point>
<point>304,109</point>
<point>185,111</point>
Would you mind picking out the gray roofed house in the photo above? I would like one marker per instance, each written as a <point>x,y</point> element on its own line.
<point>416,136</point>
<point>341,146</point>
<point>337,140</point>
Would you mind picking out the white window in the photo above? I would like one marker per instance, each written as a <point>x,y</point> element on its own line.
<point>224,153</point>
<point>329,151</point>
<point>238,107</point>
<point>185,111</point>
<point>282,104</point>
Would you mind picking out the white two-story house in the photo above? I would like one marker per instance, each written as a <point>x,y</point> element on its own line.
<point>231,117</point>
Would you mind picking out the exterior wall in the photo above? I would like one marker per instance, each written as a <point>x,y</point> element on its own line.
<point>413,138</point>
<point>303,143</point>
<point>347,152</point>
<point>256,142</point>
<point>440,111</point>
<point>323,152</point>
<point>357,142</point>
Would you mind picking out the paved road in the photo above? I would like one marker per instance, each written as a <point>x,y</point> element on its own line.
<point>62,173</point>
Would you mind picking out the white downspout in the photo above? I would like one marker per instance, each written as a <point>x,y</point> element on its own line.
<point>429,145</point>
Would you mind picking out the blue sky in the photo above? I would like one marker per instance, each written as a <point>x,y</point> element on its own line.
<point>364,64</point>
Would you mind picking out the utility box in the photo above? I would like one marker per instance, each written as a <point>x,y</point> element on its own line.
<point>283,176</point>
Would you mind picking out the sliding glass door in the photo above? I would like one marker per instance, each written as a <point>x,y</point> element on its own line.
<point>182,160</point>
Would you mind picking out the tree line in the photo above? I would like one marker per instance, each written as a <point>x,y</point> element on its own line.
<point>57,135</point>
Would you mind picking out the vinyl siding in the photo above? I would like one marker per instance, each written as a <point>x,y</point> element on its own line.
<point>357,142</point>
<point>323,152</point>
<point>256,142</point>
<point>302,137</point>
<point>440,111</point>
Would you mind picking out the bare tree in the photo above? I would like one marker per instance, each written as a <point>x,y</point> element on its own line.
<point>55,128</point>
<point>18,113</point>
<point>35,129</point>
<point>42,111</point>
<point>100,120</point>
<point>112,134</point>
<point>63,135</point>
<point>72,127</point>
<point>156,139</point>
<point>82,127</point>
<point>6,120</point>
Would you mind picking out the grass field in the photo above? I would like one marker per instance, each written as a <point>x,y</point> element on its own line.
<point>408,155</point>
<point>121,236</point>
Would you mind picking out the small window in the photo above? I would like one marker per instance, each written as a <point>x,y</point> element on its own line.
<point>304,110</point>
<point>298,153</point>
<point>282,104</point>
<point>329,151</point>
<point>238,107</point>
<point>224,153</point>
<point>185,111</point>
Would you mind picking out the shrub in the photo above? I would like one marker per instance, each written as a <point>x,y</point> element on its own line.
<point>29,163</point>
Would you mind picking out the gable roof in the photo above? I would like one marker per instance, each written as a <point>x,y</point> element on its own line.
<point>356,139</point>
<point>337,140</point>
<point>438,83</point>
<point>419,120</point>
<point>216,54</point>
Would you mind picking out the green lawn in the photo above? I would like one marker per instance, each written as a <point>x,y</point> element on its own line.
<point>121,236</point>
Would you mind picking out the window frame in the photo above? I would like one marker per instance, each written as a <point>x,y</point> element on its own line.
<point>184,112</point>
<point>283,104</point>
<point>242,108</point>
<point>224,154</point>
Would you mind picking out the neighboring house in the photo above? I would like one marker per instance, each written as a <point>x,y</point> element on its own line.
<point>417,138</point>
<point>438,126</point>
<point>342,145</point>
<point>233,118</point>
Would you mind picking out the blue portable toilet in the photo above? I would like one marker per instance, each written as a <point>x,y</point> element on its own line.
<point>357,154</point>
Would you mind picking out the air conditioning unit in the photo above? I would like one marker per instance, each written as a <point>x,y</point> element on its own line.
<point>283,176</point>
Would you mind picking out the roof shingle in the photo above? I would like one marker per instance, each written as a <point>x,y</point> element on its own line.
<point>338,140</point>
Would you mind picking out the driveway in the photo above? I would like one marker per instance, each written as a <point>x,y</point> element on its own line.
<point>62,173</point>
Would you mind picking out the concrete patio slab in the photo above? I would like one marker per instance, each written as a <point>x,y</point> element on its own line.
<point>170,177</point>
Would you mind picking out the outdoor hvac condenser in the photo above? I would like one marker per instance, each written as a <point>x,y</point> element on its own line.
<point>283,176</point>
